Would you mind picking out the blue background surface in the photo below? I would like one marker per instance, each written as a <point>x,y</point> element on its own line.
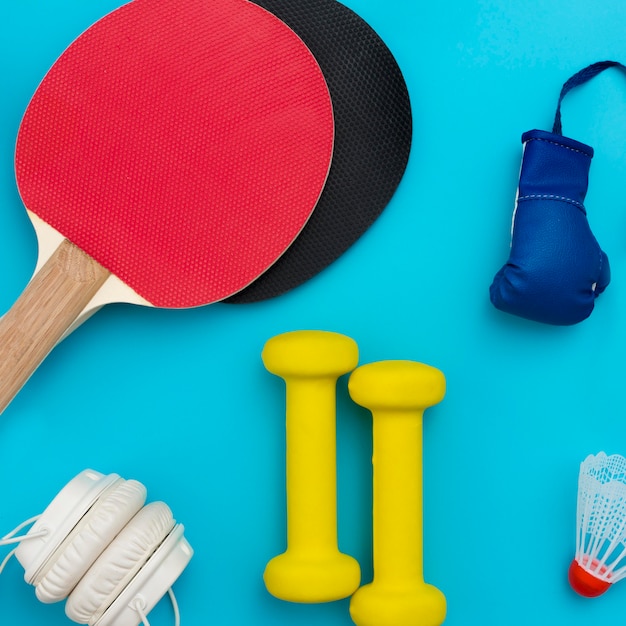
<point>180,399</point>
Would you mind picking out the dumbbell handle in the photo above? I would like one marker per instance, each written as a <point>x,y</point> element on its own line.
<point>397,478</point>
<point>311,465</point>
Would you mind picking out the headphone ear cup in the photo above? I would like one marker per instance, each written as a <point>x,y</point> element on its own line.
<point>152,581</point>
<point>60,517</point>
<point>115,568</point>
<point>95,531</point>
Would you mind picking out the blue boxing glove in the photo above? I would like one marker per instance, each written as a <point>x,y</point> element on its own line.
<point>556,268</point>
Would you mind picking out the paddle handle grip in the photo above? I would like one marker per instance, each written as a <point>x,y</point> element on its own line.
<point>47,307</point>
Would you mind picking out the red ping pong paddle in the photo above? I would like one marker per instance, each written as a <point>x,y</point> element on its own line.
<point>168,158</point>
<point>373,133</point>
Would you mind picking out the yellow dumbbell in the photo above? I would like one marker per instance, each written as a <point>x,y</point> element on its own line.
<point>312,569</point>
<point>397,392</point>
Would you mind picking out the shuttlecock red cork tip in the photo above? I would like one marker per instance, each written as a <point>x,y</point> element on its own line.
<point>584,582</point>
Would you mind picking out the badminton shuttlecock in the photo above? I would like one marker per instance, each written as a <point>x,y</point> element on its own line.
<point>600,559</point>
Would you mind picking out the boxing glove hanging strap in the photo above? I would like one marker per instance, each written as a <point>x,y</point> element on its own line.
<point>580,78</point>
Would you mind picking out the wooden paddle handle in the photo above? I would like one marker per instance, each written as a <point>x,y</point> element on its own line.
<point>51,302</point>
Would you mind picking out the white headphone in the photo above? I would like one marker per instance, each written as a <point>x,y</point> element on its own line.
<point>97,545</point>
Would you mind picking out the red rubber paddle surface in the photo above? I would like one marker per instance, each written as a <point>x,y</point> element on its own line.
<point>182,145</point>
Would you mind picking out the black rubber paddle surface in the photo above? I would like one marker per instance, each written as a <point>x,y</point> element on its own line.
<point>373,127</point>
